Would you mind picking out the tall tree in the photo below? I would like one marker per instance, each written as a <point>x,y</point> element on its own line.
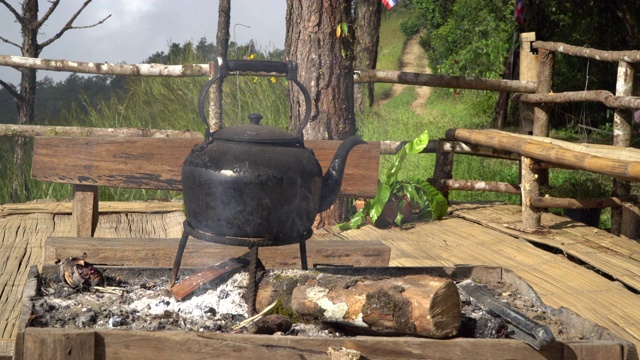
<point>31,47</point>
<point>368,14</point>
<point>320,39</point>
<point>325,66</point>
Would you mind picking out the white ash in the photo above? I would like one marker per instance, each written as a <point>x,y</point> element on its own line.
<point>226,299</point>
<point>143,307</point>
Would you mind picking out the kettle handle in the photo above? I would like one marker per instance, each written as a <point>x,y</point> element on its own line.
<point>289,69</point>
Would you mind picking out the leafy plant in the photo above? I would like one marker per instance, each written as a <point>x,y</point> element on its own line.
<point>424,198</point>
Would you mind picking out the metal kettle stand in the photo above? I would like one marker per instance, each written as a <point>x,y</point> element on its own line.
<point>252,243</point>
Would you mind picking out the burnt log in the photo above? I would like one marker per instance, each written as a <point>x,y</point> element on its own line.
<point>417,305</point>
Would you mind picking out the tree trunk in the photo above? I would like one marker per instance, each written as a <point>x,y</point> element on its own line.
<point>325,67</point>
<point>26,102</point>
<point>222,47</point>
<point>368,13</point>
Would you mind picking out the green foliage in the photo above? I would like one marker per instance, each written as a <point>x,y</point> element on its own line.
<point>428,201</point>
<point>473,40</point>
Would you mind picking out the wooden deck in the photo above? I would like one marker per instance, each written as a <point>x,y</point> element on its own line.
<point>593,273</point>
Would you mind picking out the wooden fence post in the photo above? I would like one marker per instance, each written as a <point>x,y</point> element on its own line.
<point>530,124</point>
<point>530,188</point>
<point>545,83</point>
<point>623,222</point>
<point>528,72</point>
<point>443,169</point>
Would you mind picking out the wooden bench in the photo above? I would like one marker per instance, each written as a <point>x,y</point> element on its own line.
<point>156,163</point>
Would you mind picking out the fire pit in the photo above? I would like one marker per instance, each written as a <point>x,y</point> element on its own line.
<point>145,304</point>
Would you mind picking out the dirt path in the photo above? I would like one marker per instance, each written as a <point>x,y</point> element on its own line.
<point>413,60</point>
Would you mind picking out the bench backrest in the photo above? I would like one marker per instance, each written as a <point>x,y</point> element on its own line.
<point>156,163</point>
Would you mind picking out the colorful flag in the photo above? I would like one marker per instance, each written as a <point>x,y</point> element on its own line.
<point>519,13</point>
<point>389,3</point>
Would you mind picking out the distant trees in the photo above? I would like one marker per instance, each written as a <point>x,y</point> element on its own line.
<point>31,46</point>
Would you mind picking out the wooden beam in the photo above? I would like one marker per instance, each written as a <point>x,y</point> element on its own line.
<point>179,345</point>
<point>156,163</point>
<point>199,254</point>
<point>476,185</point>
<point>66,207</point>
<point>603,96</point>
<point>69,344</point>
<point>569,203</point>
<point>443,81</point>
<point>595,54</point>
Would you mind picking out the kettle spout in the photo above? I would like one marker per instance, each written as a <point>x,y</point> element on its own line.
<point>332,179</point>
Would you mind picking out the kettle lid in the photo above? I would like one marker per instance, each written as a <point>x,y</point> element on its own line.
<point>252,133</point>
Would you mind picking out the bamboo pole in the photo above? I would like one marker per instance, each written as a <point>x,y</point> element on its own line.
<point>40,130</point>
<point>550,153</point>
<point>609,151</point>
<point>600,55</point>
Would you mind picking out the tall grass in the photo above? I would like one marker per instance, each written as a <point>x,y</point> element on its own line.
<point>156,103</point>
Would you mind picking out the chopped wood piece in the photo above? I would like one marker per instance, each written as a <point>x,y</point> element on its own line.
<point>418,304</point>
<point>208,275</point>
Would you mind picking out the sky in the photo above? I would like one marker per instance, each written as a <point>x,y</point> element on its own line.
<point>139,28</point>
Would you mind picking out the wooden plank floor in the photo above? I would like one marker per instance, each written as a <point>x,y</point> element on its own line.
<point>474,234</point>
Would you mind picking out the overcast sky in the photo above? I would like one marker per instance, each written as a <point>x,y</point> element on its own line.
<point>138,28</point>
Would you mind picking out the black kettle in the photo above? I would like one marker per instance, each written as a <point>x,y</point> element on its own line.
<point>256,185</point>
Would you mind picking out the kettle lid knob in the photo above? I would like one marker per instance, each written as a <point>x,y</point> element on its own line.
<point>255,118</point>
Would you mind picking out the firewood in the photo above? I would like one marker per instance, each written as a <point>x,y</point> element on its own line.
<point>418,305</point>
<point>207,275</point>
